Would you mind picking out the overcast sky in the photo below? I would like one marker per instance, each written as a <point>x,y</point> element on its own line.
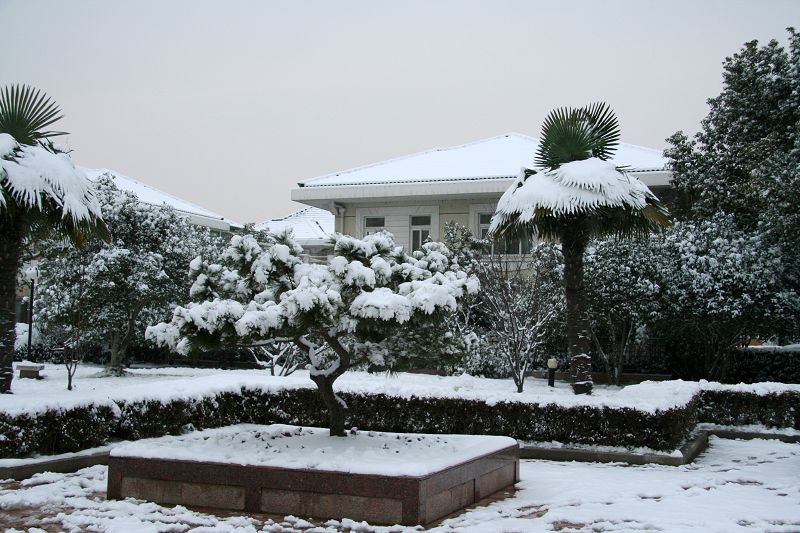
<point>229,103</point>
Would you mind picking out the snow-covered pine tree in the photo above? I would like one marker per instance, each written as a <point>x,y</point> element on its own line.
<point>105,293</point>
<point>336,313</point>
<point>745,161</point>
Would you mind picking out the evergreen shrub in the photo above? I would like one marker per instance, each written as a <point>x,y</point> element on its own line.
<point>775,410</point>
<point>755,366</point>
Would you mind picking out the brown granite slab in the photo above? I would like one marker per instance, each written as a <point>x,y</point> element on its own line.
<point>378,499</point>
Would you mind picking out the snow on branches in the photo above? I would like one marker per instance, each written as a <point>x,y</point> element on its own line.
<point>257,291</point>
<point>104,293</point>
<point>31,175</point>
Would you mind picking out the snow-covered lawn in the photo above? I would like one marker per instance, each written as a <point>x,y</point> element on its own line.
<point>171,383</point>
<point>734,486</point>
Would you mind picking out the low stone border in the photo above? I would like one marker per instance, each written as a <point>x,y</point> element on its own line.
<point>696,445</point>
<point>59,464</point>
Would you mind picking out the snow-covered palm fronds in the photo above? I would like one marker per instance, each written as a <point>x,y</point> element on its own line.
<point>40,178</point>
<point>576,180</point>
<point>540,201</point>
<point>40,188</point>
<point>25,111</point>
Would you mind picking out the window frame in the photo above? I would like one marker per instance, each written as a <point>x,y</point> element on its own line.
<point>421,228</point>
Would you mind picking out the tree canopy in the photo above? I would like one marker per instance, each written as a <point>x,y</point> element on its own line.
<point>261,290</point>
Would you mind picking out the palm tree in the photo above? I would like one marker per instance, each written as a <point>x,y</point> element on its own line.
<point>576,195</point>
<point>40,189</point>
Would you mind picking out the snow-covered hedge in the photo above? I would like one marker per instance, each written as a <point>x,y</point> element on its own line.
<point>764,404</point>
<point>57,430</point>
<point>80,427</point>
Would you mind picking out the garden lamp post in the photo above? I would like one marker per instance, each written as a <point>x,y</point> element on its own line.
<point>32,275</point>
<point>552,364</point>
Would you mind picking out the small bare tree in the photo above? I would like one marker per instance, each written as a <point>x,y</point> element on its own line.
<point>520,301</point>
<point>279,354</point>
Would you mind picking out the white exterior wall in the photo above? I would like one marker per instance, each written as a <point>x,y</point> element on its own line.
<point>397,221</point>
<point>398,216</point>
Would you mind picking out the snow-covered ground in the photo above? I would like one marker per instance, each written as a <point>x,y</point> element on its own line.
<point>734,486</point>
<point>92,385</point>
<point>33,396</point>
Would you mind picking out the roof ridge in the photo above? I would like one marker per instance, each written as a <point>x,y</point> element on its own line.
<point>415,154</point>
<point>290,215</point>
<point>201,211</point>
<point>164,193</point>
<point>642,148</point>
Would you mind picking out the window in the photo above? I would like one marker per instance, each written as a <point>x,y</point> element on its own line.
<point>502,245</point>
<point>374,224</point>
<point>420,231</point>
<point>484,219</point>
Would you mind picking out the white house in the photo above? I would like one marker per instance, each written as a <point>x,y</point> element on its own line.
<point>414,196</point>
<point>312,228</point>
<point>196,215</point>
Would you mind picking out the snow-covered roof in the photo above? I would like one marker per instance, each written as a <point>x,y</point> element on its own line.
<point>498,157</point>
<point>151,195</point>
<point>310,225</point>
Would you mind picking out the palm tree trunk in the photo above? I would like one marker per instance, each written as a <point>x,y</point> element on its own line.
<point>11,232</point>
<point>573,245</point>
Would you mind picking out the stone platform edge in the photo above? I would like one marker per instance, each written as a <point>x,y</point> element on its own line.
<point>376,498</point>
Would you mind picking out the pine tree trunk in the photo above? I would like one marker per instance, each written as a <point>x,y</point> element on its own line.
<point>336,410</point>
<point>573,245</point>
<point>335,406</point>
<point>11,233</point>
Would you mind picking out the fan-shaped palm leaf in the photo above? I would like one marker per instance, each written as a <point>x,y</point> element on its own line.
<point>25,112</point>
<point>576,134</point>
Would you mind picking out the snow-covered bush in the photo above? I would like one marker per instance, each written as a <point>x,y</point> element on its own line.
<point>335,313</point>
<point>702,289</point>
<point>105,293</point>
<point>76,427</point>
<point>721,287</point>
<point>623,288</point>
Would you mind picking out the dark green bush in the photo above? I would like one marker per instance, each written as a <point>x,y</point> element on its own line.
<point>56,430</point>
<point>754,366</point>
<point>733,408</point>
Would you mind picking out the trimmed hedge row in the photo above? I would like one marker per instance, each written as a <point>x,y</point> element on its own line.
<point>735,408</point>
<point>754,366</point>
<point>69,430</point>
